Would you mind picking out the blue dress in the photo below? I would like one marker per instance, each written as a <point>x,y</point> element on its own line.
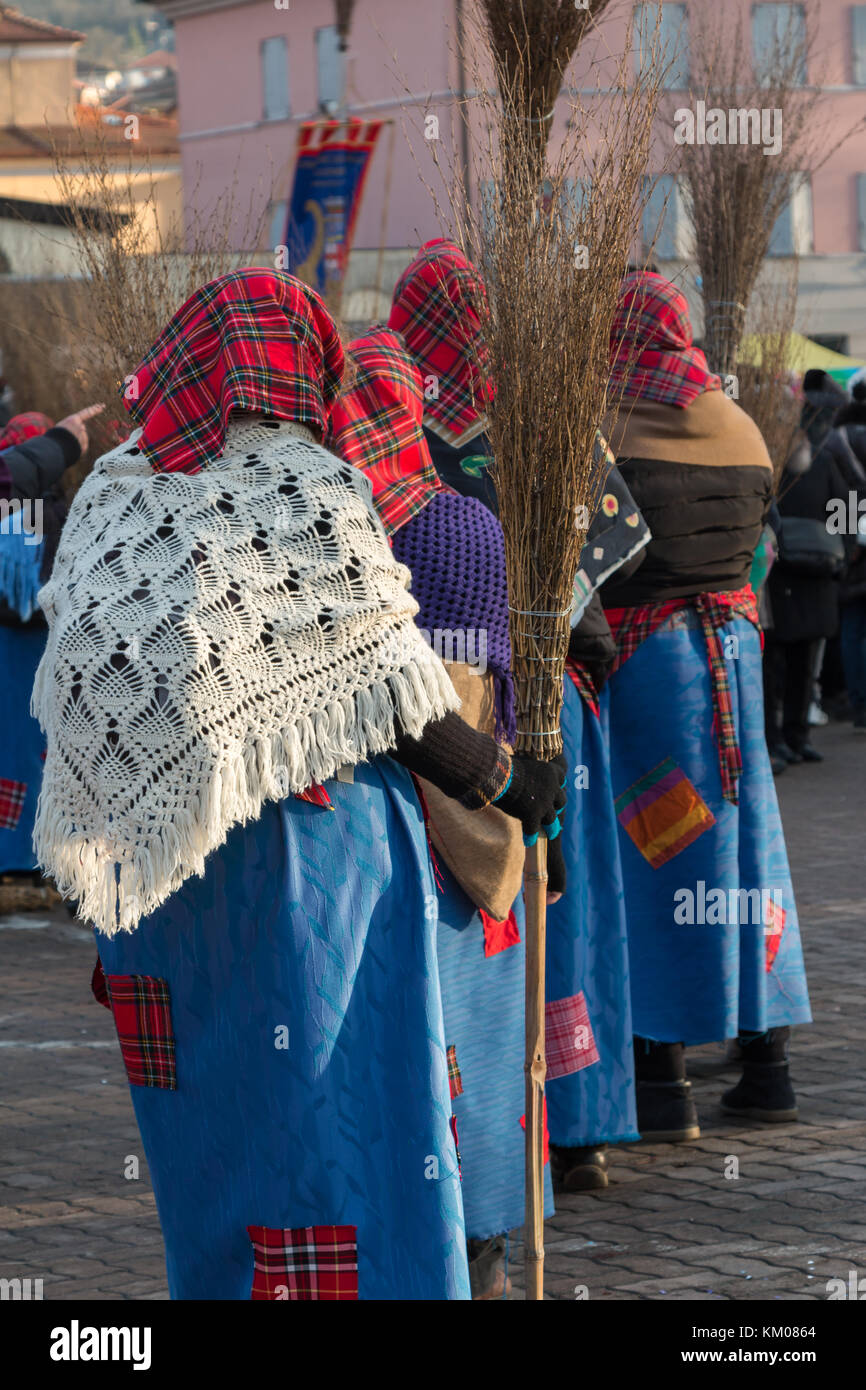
<point>713,934</point>
<point>310,1128</point>
<point>590,1093</point>
<point>22,746</point>
<point>483,1001</point>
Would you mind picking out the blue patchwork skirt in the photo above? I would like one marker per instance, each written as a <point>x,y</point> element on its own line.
<point>590,1058</point>
<point>483,1002</point>
<point>281,1024</point>
<point>22,746</point>
<point>714,941</point>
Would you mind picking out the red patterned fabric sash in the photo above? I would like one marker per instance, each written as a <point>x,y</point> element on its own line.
<point>583,684</point>
<point>632,626</point>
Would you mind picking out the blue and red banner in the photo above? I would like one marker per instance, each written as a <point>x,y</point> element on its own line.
<point>333,157</point>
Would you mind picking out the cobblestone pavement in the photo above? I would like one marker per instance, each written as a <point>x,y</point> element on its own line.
<point>670,1225</point>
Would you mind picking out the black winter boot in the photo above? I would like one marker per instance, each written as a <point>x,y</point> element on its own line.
<point>665,1110</point>
<point>488,1277</point>
<point>764,1091</point>
<point>578,1170</point>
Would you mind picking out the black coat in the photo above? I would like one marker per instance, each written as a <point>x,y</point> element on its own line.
<point>35,469</point>
<point>853,417</point>
<point>36,466</point>
<point>806,607</point>
<point>705,523</point>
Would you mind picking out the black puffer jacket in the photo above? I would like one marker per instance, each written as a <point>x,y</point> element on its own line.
<point>705,523</point>
<point>36,466</point>
<point>34,470</point>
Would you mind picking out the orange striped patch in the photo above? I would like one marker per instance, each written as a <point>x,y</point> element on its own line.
<point>663,813</point>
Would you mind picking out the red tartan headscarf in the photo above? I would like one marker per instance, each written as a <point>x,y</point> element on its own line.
<point>437,305</point>
<point>25,426</point>
<point>255,340</point>
<point>651,350</point>
<point>376,426</point>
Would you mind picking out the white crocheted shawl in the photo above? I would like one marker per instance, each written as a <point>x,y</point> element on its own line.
<point>216,640</point>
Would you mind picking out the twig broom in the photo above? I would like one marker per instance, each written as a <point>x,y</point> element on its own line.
<point>555,242</point>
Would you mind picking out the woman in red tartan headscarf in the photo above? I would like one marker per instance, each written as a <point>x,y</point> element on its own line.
<point>232,654</point>
<point>376,425</point>
<point>714,944</point>
<point>437,308</point>
<point>455,551</point>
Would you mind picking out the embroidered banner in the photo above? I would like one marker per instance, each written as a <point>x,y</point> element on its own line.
<point>332,162</point>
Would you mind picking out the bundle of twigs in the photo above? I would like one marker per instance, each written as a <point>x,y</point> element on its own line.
<point>735,191</point>
<point>553,255</point>
<point>533,42</point>
<point>138,266</point>
<point>555,238</point>
<point>765,386</point>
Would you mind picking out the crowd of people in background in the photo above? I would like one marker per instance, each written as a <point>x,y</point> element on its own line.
<point>298,833</point>
<point>814,603</point>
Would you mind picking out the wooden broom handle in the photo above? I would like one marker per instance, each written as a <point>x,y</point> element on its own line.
<point>535,1066</point>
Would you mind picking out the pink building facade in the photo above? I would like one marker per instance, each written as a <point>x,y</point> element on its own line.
<point>249,72</point>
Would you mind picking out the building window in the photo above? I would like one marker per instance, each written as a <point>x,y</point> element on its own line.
<point>792,234</point>
<point>667,229</point>
<point>861,211</point>
<point>672,41</point>
<point>858,44</point>
<point>275,79</point>
<point>329,65</point>
<point>778,37</point>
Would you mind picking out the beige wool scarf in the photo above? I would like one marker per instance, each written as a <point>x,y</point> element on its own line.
<point>216,640</point>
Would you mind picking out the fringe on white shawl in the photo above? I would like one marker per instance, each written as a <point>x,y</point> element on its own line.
<point>114,894</point>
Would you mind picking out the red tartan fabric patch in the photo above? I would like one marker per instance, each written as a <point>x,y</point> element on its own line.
<point>569,1041</point>
<point>545,1152</point>
<point>455,1080</point>
<point>12,796</point>
<point>498,936</point>
<point>774,925</point>
<point>317,795</point>
<point>142,1016</point>
<point>305,1263</point>
<point>98,985</point>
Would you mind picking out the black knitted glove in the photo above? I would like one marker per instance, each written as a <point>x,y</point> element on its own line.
<point>536,793</point>
<point>556,875</point>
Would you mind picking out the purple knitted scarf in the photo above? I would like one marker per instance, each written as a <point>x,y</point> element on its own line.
<point>455,551</point>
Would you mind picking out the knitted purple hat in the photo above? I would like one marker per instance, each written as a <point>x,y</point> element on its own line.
<point>456,553</point>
